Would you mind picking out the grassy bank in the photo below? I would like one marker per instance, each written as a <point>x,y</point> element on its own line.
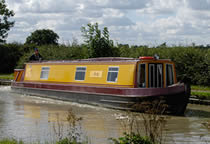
<point>63,141</point>
<point>200,88</point>
<point>10,141</point>
<point>201,92</point>
<point>201,95</point>
<point>7,76</point>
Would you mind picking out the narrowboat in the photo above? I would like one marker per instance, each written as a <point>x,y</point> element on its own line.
<point>113,82</point>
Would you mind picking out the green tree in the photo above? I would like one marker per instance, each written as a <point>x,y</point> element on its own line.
<point>5,24</point>
<point>99,44</point>
<point>9,55</point>
<point>43,37</point>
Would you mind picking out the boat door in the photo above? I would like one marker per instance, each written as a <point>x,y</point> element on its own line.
<point>155,73</point>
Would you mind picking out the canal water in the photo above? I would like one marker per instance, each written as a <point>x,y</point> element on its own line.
<point>34,119</point>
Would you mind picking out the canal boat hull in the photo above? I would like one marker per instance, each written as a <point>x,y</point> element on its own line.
<point>174,98</point>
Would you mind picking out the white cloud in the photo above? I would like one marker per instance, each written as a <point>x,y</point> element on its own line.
<point>129,21</point>
<point>118,4</point>
<point>168,7</point>
<point>199,4</point>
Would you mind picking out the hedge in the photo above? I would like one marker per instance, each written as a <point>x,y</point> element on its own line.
<point>192,63</point>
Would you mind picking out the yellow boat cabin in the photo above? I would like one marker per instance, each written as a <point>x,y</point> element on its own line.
<point>144,72</point>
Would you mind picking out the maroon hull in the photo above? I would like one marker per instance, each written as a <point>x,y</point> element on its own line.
<point>176,97</point>
<point>127,92</point>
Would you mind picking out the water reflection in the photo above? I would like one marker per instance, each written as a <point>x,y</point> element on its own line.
<point>198,111</point>
<point>31,119</point>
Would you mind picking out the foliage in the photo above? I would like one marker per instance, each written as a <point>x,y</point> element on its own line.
<point>67,141</point>
<point>9,55</point>
<point>7,76</point>
<point>200,87</point>
<point>56,52</point>
<point>5,24</point>
<point>43,37</point>
<point>98,43</point>
<point>62,141</point>
<point>149,124</point>
<point>155,122</point>
<point>201,95</point>
<point>73,126</point>
<point>73,130</point>
<point>62,52</point>
<point>15,56</point>
<point>192,63</point>
<point>131,139</point>
<point>10,141</point>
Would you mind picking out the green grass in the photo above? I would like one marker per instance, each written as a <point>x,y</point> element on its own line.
<point>201,88</point>
<point>201,92</point>
<point>63,141</point>
<point>10,141</point>
<point>201,95</point>
<point>7,76</point>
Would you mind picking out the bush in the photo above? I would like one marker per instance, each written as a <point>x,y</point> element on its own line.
<point>67,141</point>
<point>131,139</point>
<point>63,52</point>
<point>10,141</point>
<point>74,133</point>
<point>9,55</point>
<point>56,52</point>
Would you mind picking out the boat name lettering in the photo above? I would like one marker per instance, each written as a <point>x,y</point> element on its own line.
<point>96,73</point>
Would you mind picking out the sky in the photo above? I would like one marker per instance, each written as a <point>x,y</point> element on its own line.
<point>133,22</point>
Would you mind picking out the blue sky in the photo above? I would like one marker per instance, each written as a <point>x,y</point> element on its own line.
<point>134,22</point>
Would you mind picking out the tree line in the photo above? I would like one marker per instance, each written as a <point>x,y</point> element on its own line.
<point>192,62</point>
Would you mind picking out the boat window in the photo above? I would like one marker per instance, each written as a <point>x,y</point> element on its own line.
<point>112,74</point>
<point>142,75</point>
<point>156,75</point>
<point>159,75</point>
<point>80,73</point>
<point>44,73</point>
<point>169,74</point>
<point>151,75</point>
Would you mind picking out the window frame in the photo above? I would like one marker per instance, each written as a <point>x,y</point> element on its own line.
<point>150,74</point>
<point>80,71</point>
<point>161,66</point>
<point>172,74</point>
<point>42,71</point>
<point>139,74</point>
<point>113,72</point>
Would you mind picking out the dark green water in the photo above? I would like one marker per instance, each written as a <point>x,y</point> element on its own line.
<point>31,119</point>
